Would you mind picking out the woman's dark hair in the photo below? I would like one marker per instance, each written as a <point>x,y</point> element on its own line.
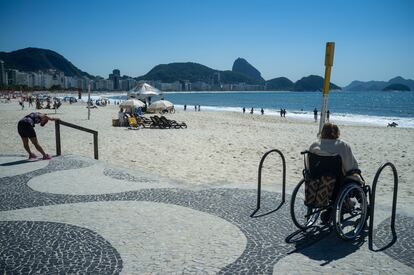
<point>330,131</point>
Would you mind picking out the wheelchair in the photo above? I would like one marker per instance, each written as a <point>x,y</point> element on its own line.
<point>326,195</point>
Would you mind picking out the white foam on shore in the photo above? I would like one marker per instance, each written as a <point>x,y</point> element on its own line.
<point>350,119</point>
<point>343,118</point>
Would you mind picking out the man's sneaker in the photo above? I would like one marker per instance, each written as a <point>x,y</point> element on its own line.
<point>32,156</point>
<point>47,156</point>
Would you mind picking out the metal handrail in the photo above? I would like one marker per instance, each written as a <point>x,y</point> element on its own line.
<point>57,133</point>
<point>259,183</point>
<point>372,207</point>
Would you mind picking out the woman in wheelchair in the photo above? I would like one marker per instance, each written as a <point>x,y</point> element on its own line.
<point>329,144</point>
<point>331,188</point>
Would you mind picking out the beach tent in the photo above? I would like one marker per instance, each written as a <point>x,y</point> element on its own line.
<point>144,90</point>
<point>132,103</point>
<point>160,105</point>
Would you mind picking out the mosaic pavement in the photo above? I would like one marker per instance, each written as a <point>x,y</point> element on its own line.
<point>59,232</point>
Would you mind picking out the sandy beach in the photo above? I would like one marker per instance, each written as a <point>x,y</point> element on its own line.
<point>219,148</point>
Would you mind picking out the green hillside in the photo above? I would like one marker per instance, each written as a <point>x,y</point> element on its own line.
<point>193,72</point>
<point>35,59</point>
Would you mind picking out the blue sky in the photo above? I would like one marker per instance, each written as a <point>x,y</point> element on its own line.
<point>374,39</point>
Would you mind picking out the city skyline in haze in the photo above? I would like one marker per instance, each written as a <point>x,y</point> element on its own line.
<point>373,39</point>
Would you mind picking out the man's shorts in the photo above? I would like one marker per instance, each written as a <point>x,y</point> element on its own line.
<point>25,129</point>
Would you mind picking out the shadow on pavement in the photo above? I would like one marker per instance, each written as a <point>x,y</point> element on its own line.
<point>321,244</point>
<point>17,162</point>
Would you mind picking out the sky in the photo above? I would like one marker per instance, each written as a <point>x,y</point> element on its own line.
<point>374,39</point>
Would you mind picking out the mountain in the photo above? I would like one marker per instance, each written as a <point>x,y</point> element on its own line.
<point>378,85</point>
<point>241,66</point>
<point>279,84</point>
<point>366,86</point>
<point>193,72</point>
<point>35,59</point>
<point>312,83</point>
<point>397,87</point>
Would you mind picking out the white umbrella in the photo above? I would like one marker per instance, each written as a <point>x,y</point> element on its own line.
<point>160,105</point>
<point>133,103</point>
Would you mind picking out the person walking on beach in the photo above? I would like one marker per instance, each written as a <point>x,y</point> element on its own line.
<point>21,103</point>
<point>327,115</point>
<point>281,112</point>
<point>251,111</point>
<point>315,114</point>
<point>199,107</point>
<point>30,101</point>
<point>244,110</point>
<point>262,111</point>
<point>185,107</point>
<point>25,128</point>
<point>284,112</point>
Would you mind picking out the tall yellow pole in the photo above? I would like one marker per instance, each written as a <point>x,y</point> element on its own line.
<point>329,57</point>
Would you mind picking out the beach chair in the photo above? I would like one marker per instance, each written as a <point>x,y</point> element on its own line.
<point>156,122</point>
<point>133,124</point>
<point>165,123</point>
<point>173,123</point>
<point>145,122</point>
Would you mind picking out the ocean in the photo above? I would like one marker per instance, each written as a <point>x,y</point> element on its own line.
<point>367,107</point>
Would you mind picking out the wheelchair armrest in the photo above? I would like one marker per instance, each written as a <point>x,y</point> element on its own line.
<point>350,173</point>
<point>304,152</point>
<point>353,171</point>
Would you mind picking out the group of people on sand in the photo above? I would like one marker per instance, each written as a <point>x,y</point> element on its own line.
<point>197,108</point>
<point>252,110</point>
<point>40,103</point>
<point>262,111</point>
<point>128,112</point>
<point>315,115</point>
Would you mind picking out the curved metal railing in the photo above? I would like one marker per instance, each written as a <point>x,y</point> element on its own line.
<point>259,183</point>
<point>372,207</point>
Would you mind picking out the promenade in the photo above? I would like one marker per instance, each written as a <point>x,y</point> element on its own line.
<point>77,215</point>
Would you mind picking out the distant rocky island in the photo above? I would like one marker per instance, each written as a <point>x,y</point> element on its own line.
<point>381,85</point>
<point>38,63</point>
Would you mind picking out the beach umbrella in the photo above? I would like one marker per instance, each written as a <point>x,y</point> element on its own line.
<point>160,105</point>
<point>132,103</point>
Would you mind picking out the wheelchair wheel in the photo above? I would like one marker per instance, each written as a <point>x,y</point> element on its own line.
<point>350,212</point>
<point>302,216</point>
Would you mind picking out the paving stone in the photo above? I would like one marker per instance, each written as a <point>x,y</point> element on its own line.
<point>35,238</point>
<point>403,249</point>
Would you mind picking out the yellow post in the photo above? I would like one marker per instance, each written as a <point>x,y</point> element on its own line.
<point>329,57</point>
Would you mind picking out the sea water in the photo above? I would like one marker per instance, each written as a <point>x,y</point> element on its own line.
<point>350,107</point>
